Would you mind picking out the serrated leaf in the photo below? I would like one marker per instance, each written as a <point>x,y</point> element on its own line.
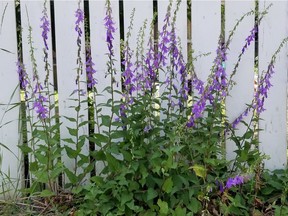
<point>199,170</point>
<point>151,194</point>
<point>194,205</point>
<point>97,179</point>
<point>126,197</point>
<point>105,120</point>
<point>248,134</point>
<point>99,155</point>
<point>113,163</point>
<point>163,207</point>
<point>70,119</point>
<point>69,140</point>
<point>71,176</point>
<point>57,170</point>
<point>118,134</point>
<point>33,166</point>
<point>180,211</point>
<point>101,138</point>
<point>41,176</point>
<point>71,152</point>
<point>25,149</point>
<point>41,158</point>
<point>168,185</point>
<point>72,131</point>
<point>46,193</point>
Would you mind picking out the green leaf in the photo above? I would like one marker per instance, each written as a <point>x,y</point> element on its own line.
<point>46,193</point>
<point>101,138</point>
<point>163,207</point>
<point>72,131</point>
<point>168,185</point>
<point>248,134</point>
<point>25,149</point>
<point>97,179</point>
<point>127,155</point>
<point>41,158</point>
<point>99,155</point>
<point>69,140</point>
<point>70,119</point>
<point>105,120</point>
<point>33,166</point>
<point>113,163</point>
<point>126,197</point>
<point>41,176</point>
<point>118,134</point>
<point>194,205</point>
<point>57,170</point>
<point>71,176</point>
<point>179,211</point>
<point>71,152</point>
<point>151,194</point>
<point>199,170</point>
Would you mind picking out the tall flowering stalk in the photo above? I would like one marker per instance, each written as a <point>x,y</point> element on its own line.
<point>110,28</point>
<point>216,86</point>
<point>128,73</point>
<point>79,15</point>
<point>90,71</point>
<point>110,31</point>
<point>218,81</point>
<point>39,103</point>
<point>150,75</point>
<point>45,26</point>
<point>263,88</point>
<point>139,77</point>
<point>164,40</point>
<point>23,77</point>
<point>248,41</point>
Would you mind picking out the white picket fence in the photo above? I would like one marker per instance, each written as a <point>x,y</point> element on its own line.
<point>205,27</point>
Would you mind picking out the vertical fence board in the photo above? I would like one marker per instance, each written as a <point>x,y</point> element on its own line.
<point>99,50</point>
<point>237,99</point>
<point>206,28</point>
<point>66,54</point>
<point>273,137</point>
<point>31,14</point>
<point>181,33</point>
<point>9,133</point>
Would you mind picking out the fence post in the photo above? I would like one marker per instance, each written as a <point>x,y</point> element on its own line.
<point>273,140</point>
<point>242,92</point>
<point>10,160</point>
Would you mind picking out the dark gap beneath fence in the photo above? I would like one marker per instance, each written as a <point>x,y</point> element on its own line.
<point>23,122</point>
<point>91,110</point>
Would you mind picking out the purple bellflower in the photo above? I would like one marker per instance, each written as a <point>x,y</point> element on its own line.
<point>90,71</point>
<point>250,38</point>
<point>231,182</point>
<point>39,107</point>
<point>45,27</point>
<point>79,14</point>
<point>23,77</point>
<point>110,28</point>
